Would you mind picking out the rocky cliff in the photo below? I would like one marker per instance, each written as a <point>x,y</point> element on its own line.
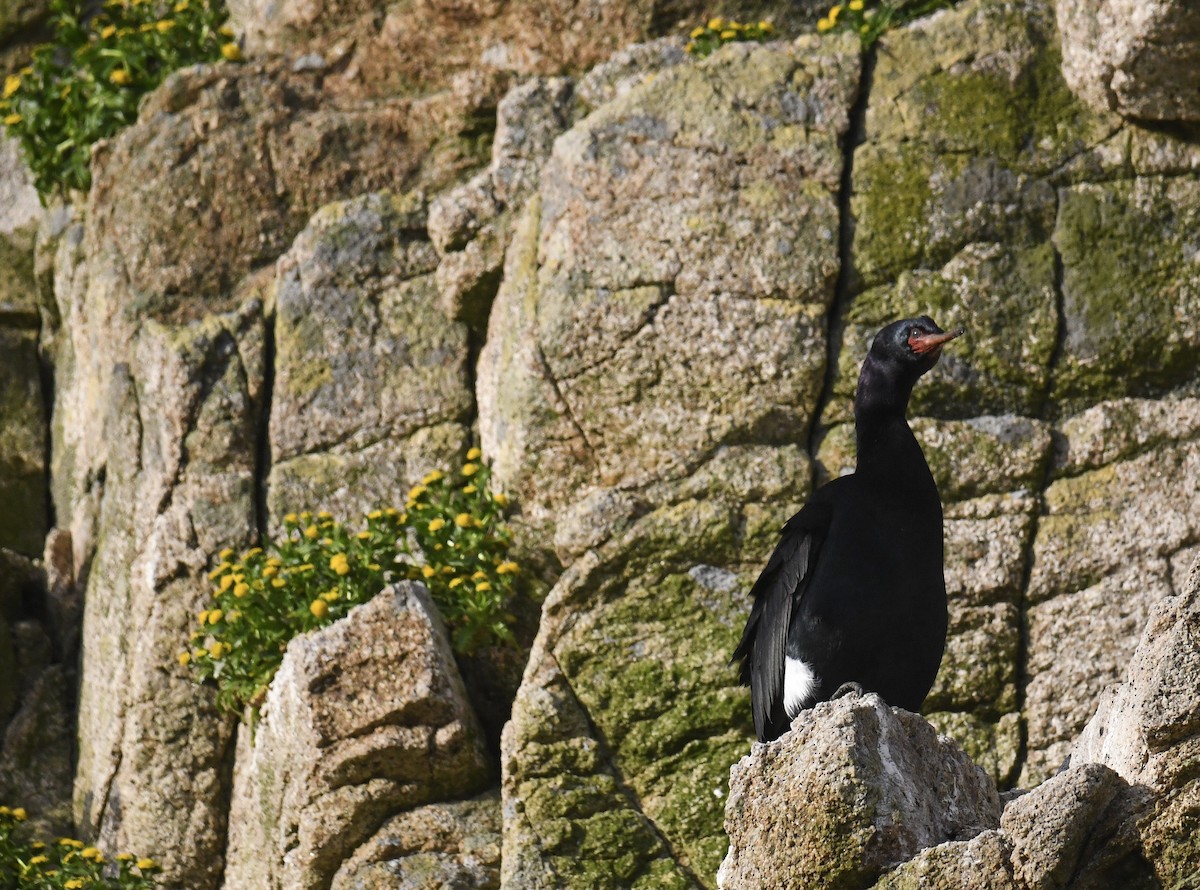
<point>645,282</point>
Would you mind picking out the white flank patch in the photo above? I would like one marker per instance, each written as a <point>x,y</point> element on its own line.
<point>799,681</point>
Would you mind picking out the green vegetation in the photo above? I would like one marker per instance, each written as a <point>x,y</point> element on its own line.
<point>85,84</point>
<point>871,20</point>
<point>65,864</point>
<point>450,535</point>
<point>718,31</point>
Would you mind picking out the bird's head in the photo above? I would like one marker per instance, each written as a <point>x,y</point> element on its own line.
<point>912,346</point>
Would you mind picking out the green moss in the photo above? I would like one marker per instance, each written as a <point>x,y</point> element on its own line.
<point>890,205</point>
<point>1129,287</point>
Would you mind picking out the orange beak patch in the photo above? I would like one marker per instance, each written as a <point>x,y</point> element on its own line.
<point>925,343</point>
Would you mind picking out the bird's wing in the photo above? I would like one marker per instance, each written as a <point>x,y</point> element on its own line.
<point>776,592</point>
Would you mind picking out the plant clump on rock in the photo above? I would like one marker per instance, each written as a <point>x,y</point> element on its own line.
<point>85,84</point>
<point>66,863</point>
<point>450,534</point>
<point>718,31</point>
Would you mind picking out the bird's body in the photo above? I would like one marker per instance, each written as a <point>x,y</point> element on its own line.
<point>855,592</point>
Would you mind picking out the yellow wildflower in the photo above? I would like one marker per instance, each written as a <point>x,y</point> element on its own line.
<point>319,608</point>
<point>311,532</point>
<point>500,498</point>
<point>728,34</point>
<point>214,616</point>
<point>291,519</point>
<point>331,596</point>
<point>363,535</point>
<point>375,514</point>
<point>716,24</point>
<point>507,568</point>
<point>834,13</point>
<point>146,864</point>
<point>391,511</point>
<point>184,658</point>
<point>221,569</point>
<point>225,31</point>
<point>324,514</point>
<point>198,653</point>
<point>226,553</point>
<point>433,476</point>
<point>19,814</point>
<point>270,571</point>
<point>428,571</point>
<point>696,32</point>
<point>217,649</point>
<point>767,27</point>
<point>74,884</point>
<point>474,454</point>
<point>275,561</point>
<point>120,77</point>
<point>462,520</point>
<point>203,617</point>
<point>479,576</point>
<point>146,27</point>
<point>11,120</point>
<point>181,6</point>
<point>12,83</point>
<point>124,857</point>
<point>340,564</point>
<point>470,469</point>
<point>855,5</point>
<point>455,582</point>
<point>374,567</point>
<point>91,853</point>
<point>824,25</point>
<point>39,860</point>
<point>416,491</point>
<point>436,525</point>
<point>469,489</point>
<point>241,590</point>
<point>482,586</point>
<point>253,551</point>
<point>278,582</point>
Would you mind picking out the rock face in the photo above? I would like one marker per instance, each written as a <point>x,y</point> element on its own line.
<point>442,845</point>
<point>370,390</point>
<point>365,718</point>
<point>380,46</point>
<point>162,368</point>
<point>1147,730</point>
<point>853,787</point>
<point>1138,58</point>
<point>664,224</point>
<point>275,298</point>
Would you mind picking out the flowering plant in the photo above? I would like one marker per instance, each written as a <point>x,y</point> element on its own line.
<point>66,864</point>
<point>870,21</point>
<point>450,534</point>
<point>85,84</point>
<point>719,31</point>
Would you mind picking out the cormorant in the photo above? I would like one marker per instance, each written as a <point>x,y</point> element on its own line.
<point>855,592</point>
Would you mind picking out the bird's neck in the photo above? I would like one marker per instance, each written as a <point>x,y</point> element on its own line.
<point>887,448</point>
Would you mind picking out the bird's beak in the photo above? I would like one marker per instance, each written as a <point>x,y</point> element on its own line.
<point>925,343</point>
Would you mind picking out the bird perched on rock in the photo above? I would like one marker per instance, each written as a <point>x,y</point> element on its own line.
<point>854,592</point>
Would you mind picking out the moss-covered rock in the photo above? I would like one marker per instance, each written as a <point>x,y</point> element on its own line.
<point>1131,291</point>
<point>370,376</point>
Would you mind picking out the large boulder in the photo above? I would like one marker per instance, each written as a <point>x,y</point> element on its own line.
<point>853,787</point>
<point>1139,58</point>
<point>370,389</point>
<point>364,719</point>
<point>1147,730</point>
